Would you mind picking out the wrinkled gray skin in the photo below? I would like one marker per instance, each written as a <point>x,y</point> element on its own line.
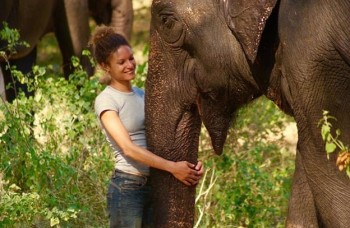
<point>69,20</point>
<point>208,58</point>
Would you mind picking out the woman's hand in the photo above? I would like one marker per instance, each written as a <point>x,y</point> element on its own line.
<point>188,173</point>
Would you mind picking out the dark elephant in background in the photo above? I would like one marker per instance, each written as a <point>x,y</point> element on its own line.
<point>116,13</point>
<point>208,58</point>
<point>68,20</point>
<point>34,19</point>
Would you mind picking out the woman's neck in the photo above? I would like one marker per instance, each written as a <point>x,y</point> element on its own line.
<point>121,86</point>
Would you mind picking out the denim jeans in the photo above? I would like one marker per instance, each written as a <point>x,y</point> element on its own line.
<point>129,201</point>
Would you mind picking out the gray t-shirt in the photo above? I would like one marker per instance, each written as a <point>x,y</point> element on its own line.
<point>130,108</point>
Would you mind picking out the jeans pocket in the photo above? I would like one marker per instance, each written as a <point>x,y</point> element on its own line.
<point>134,183</point>
<point>126,182</point>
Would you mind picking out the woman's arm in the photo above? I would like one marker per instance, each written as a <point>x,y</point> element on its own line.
<point>184,171</point>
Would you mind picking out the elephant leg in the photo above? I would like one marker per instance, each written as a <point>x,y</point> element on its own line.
<point>329,187</point>
<point>317,70</point>
<point>301,210</point>
<point>24,65</point>
<point>122,16</point>
<point>72,32</point>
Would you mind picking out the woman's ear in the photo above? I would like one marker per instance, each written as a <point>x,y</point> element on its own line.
<point>105,67</point>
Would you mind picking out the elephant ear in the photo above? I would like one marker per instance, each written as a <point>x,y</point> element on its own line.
<point>247,20</point>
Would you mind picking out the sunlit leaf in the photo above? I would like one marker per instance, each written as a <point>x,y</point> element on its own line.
<point>330,147</point>
<point>325,130</point>
<point>54,221</point>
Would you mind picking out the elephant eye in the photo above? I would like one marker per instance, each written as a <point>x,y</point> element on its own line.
<point>171,29</point>
<point>168,21</point>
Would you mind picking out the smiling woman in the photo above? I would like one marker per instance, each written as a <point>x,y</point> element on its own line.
<point>121,68</point>
<point>120,112</point>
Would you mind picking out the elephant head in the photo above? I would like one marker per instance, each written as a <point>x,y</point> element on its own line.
<point>210,57</point>
<point>200,70</point>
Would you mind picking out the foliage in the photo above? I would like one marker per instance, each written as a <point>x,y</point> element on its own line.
<point>250,182</point>
<point>53,148</point>
<point>332,143</point>
<point>141,70</point>
<point>12,37</point>
<point>54,162</point>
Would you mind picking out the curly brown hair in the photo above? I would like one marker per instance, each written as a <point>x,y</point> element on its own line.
<point>104,41</point>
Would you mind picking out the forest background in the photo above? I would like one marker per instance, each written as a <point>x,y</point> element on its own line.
<point>55,163</point>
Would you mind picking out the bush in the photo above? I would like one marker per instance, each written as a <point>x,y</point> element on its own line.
<point>54,161</point>
<point>54,153</point>
<point>249,184</point>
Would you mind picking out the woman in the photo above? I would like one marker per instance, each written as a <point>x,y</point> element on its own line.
<point>120,110</point>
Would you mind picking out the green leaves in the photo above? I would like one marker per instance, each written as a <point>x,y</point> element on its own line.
<point>54,161</point>
<point>251,183</point>
<point>51,146</point>
<point>326,126</point>
<point>13,39</point>
<point>330,147</point>
<point>141,70</point>
<point>332,143</point>
<point>325,130</point>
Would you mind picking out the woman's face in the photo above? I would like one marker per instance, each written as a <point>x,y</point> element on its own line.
<point>121,64</point>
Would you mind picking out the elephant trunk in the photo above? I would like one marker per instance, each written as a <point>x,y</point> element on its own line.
<point>174,136</point>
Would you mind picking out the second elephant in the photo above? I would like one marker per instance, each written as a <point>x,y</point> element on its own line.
<point>68,20</point>
<point>116,13</point>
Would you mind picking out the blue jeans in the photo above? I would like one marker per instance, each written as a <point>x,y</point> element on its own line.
<point>129,201</point>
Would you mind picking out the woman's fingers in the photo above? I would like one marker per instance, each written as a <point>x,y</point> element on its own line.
<point>187,182</point>
<point>192,174</point>
<point>193,178</point>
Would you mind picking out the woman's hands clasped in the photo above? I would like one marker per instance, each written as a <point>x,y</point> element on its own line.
<point>188,173</point>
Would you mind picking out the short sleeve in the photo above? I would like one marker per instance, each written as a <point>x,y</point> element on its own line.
<point>103,103</point>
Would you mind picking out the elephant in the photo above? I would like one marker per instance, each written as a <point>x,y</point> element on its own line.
<point>116,13</point>
<point>208,58</point>
<point>36,18</point>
